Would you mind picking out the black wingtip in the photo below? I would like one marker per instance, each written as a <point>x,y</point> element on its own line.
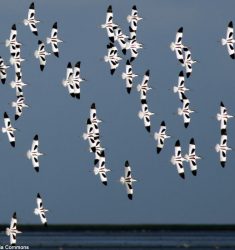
<point>56,54</point>
<point>69,65</point>
<point>180,30</point>
<point>230,25</point>
<point>36,169</point>
<point>39,42</point>
<point>194,172</point>
<point>5,115</point>
<point>222,163</point>
<point>78,64</point>
<point>163,123</point>
<point>177,143</point>
<point>54,25</point>
<point>127,163</point>
<point>3,80</point>
<point>88,121</point>
<point>96,161</point>
<point>124,51</point>
<point>77,96</point>
<point>45,224</point>
<point>132,59</point>
<point>112,71</point>
<point>188,74</point>
<point>128,90</point>
<point>223,132</point>
<point>143,101</point>
<point>14,215</point>
<point>148,128</point>
<point>221,104</point>
<point>158,150</point>
<point>31,5</point>
<point>147,73</point>
<point>72,94</point>
<point>93,149</point>
<point>128,62</point>
<point>182,175</point>
<point>13,143</point>
<point>186,124</point>
<point>36,137</point>
<point>105,183</point>
<point>38,195</point>
<point>130,196</point>
<point>232,56</point>
<point>16,117</point>
<point>181,61</point>
<point>109,8</point>
<point>42,67</point>
<point>181,72</point>
<point>35,33</point>
<point>93,106</point>
<point>13,27</point>
<point>192,141</point>
<point>111,38</point>
<point>134,7</point>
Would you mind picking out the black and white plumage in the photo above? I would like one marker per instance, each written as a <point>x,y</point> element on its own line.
<point>128,75</point>
<point>34,153</point>
<point>180,88</point>
<point>191,157</point>
<point>223,116</point>
<point>68,81</point>
<point>41,54</point>
<point>222,148</point>
<point>91,136</point>
<point>13,231</point>
<point>121,38</point>
<point>94,119</point>
<point>133,18</point>
<point>54,40</point>
<point>101,169</point>
<point>161,136</point>
<point>112,57</point>
<point>178,46</point>
<point>3,72</point>
<point>17,59</point>
<point>9,129</point>
<point>128,180</point>
<point>229,40</point>
<point>188,62</point>
<point>177,160</point>
<point>40,210</point>
<point>144,86</point>
<point>145,115</point>
<point>76,80</point>
<point>19,105</point>
<point>185,111</point>
<point>18,84</point>
<point>12,41</point>
<point>109,25</point>
<point>31,21</point>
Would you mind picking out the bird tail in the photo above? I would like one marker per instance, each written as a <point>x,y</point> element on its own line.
<point>25,22</point>
<point>156,136</point>
<point>218,116</point>
<point>36,211</point>
<point>48,40</point>
<point>173,160</point>
<point>13,84</point>
<point>141,114</point>
<point>36,53</point>
<point>123,76</point>
<point>4,130</point>
<point>223,41</point>
<point>7,43</point>
<point>13,104</point>
<point>106,58</point>
<point>217,148</point>
<point>138,87</point>
<point>12,60</point>
<point>8,232</point>
<point>180,111</point>
<point>128,18</point>
<point>28,154</point>
<point>85,136</point>
<point>103,26</point>
<point>175,89</point>
<point>172,46</point>
<point>186,157</point>
<point>65,83</point>
<point>96,170</point>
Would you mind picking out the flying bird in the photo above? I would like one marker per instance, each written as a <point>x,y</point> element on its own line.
<point>12,41</point>
<point>40,210</point>
<point>34,154</point>
<point>180,88</point>
<point>191,157</point>
<point>18,84</point>
<point>31,21</point>
<point>145,115</point>
<point>68,82</point>
<point>94,120</point>
<point>76,80</point>
<point>19,105</point>
<point>128,180</point>
<point>17,59</point>
<point>133,18</point>
<point>3,72</point>
<point>109,25</point>
<point>229,40</point>
<point>185,111</point>
<point>223,116</point>
<point>177,160</point>
<point>178,46</point>
<point>91,136</point>
<point>41,54</point>
<point>161,136</point>
<point>9,129</point>
<point>12,231</point>
<point>54,40</point>
<point>121,38</point>
<point>222,148</point>
<point>188,62</point>
<point>144,86</point>
<point>128,75</point>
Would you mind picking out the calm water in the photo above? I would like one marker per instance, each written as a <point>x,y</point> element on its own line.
<point>126,240</point>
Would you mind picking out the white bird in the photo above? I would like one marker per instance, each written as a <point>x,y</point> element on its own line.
<point>188,62</point>
<point>144,86</point>
<point>128,180</point>
<point>13,231</point>
<point>161,136</point>
<point>17,59</point>
<point>178,46</point>
<point>40,210</point>
<point>112,57</point>
<point>12,41</point>
<point>229,40</point>
<point>145,115</point>
<point>94,120</point>
<point>3,72</point>
<point>76,80</point>
<point>121,38</point>
<point>222,148</point>
<point>134,18</point>
<point>68,82</point>
<point>41,54</point>
<point>9,130</point>
<point>54,40</point>
<point>223,116</point>
<point>128,75</point>
<point>98,152</point>
<point>185,111</point>
<point>101,169</point>
<point>180,88</point>
<point>31,21</point>
<point>34,154</point>
<point>109,25</point>
<point>91,136</point>
<point>177,160</point>
<point>19,105</point>
<point>191,157</point>
<point>18,84</point>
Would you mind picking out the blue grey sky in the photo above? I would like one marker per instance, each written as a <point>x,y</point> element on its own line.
<point>68,187</point>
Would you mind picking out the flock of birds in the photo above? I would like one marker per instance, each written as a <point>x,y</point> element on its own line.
<point>127,43</point>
